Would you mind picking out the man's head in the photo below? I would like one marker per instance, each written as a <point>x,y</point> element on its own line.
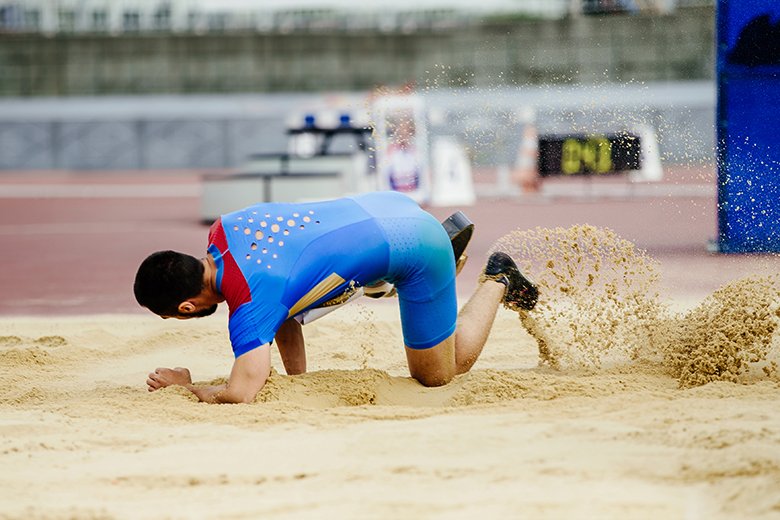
<point>169,284</point>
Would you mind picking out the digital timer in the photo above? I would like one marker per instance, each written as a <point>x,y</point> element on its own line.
<point>580,154</point>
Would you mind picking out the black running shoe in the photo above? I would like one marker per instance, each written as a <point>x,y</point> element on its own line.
<point>521,293</point>
<point>459,228</point>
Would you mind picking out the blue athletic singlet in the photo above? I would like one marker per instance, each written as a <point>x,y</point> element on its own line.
<point>277,260</point>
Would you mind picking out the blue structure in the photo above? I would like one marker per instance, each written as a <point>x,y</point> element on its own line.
<point>748,122</point>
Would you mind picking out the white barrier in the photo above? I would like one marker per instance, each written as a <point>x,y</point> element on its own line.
<point>452,181</point>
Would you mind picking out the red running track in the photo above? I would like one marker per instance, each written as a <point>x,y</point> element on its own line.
<point>73,241</point>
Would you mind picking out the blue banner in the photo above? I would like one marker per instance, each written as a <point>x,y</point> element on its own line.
<point>748,122</point>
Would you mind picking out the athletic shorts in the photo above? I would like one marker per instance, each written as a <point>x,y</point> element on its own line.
<point>421,266</point>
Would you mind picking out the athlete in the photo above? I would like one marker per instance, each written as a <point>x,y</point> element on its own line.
<point>273,263</point>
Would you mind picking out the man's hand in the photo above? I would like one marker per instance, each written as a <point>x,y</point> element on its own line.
<point>249,374</point>
<point>163,377</point>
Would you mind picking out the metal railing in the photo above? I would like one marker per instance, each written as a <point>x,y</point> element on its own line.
<point>130,16</point>
<point>199,16</point>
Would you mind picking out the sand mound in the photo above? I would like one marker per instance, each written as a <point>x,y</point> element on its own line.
<point>728,337</point>
<point>15,350</point>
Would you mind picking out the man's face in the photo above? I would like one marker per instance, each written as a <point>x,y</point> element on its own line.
<point>208,311</point>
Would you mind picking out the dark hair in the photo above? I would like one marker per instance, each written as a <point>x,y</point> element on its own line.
<point>167,278</point>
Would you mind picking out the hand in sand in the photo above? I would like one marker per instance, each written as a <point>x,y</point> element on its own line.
<point>162,377</point>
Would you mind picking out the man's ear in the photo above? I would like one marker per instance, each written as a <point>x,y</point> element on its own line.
<point>187,307</point>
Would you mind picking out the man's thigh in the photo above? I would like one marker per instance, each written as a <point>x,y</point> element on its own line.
<point>427,300</point>
<point>425,282</point>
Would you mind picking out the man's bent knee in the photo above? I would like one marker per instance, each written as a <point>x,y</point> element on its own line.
<point>433,366</point>
<point>431,380</point>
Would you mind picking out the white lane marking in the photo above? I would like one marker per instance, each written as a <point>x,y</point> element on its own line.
<point>631,190</point>
<point>98,191</point>
<point>607,190</point>
<point>84,228</point>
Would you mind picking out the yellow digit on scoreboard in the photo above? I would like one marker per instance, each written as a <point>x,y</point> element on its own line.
<point>589,154</point>
<point>571,156</point>
<point>602,154</point>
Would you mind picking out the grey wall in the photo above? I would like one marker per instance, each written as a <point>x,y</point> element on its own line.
<point>129,145</point>
<point>220,131</point>
<point>617,48</point>
<point>140,132</point>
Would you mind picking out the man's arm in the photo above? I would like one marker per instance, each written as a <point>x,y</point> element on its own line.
<point>249,374</point>
<point>289,341</point>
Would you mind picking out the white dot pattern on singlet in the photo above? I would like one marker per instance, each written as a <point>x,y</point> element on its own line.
<point>265,231</point>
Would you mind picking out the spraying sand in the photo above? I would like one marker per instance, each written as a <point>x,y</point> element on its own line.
<point>600,306</point>
<point>614,406</point>
<point>598,298</point>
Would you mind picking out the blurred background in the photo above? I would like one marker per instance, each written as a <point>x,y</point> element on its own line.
<point>125,125</point>
<point>149,84</point>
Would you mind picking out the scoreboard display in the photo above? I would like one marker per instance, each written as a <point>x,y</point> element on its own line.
<point>581,154</point>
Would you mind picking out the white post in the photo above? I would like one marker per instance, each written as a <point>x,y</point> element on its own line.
<point>652,170</point>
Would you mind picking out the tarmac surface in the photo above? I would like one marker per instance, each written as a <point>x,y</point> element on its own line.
<point>73,240</point>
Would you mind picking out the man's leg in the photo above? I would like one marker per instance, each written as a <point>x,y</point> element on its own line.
<point>289,341</point>
<point>502,283</point>
<point>474,323</point>
<point>437,365</point>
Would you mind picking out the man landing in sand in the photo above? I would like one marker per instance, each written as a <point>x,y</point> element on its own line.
<point>274,263</point>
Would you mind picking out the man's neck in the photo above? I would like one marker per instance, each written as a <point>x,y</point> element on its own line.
<point>210,280</point>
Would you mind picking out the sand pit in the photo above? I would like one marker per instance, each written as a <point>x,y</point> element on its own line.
<point>615,427</point>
